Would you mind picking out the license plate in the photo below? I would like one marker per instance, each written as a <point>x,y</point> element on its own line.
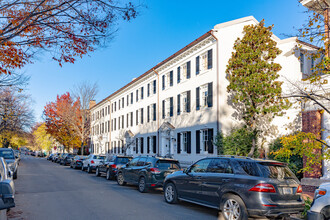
<point>287,191</point>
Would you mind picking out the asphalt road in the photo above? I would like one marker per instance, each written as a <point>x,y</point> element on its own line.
<point>45,190</point>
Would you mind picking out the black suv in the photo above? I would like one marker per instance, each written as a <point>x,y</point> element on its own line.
<point>110,166</point>
<point>146,172</point>
<point>66,159</point>
<point>239,187</point>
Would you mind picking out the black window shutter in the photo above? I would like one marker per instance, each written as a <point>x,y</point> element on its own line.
<point>122,102</point>
<point>209,59</point>
<point>136,145</point>
<point>178,143</point>
<point>148,113</point>
<point>188,69</point>
<point>148,89</point>
<point>171,106</point>
<point>122,121</point>
<point>197,65</point>
<point>131,118</point>
<point>163,109</point>
<point>154,108</point>
<point>178,75</point>
<point>188,101</point>
<point>178,108</point>
<point>137,95</point>
<point>198,142</point>
<point>142,92</point>
<point>210,141</point>
<point>163,82</point>
<point>132,98</point>
<point>141,144</point>
<point>171,78</point>
<point>210,94</point>
<point>127,120</point>
<point>127,100</point>
<point>154,144</point>
<point>154,87</point>
<point>148,145</point>
<point>137,117</point>
<point>189,142</point>
<point>197,98</point>
<point>141,115</point>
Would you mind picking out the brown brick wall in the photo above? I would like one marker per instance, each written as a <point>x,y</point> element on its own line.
<point>312,123</point>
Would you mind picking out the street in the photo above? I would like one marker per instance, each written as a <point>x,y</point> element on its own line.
<point>45,190</point>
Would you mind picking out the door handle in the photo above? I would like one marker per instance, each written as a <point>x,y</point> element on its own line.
<point>225,180</point>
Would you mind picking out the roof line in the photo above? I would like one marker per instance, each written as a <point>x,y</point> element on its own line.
<point>193,43</point>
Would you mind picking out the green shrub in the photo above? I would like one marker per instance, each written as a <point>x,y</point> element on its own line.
<point>238,142</point>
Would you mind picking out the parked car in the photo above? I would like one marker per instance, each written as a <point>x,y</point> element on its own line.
<point>9,156</point>
<point>55,157</point>
<point>50,157</point>
<point>66,159</point>
<point>7,189</point>
<point>239,187</point>
<point>147,172</point>
<point>59,158</point>
<point>111,165</point>
<point>91,162</point>
<point>77,161</point>
<point>320,208</point>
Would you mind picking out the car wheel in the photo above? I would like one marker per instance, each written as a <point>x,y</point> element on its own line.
<point>89,170</point>
<point>233,208</point>
<point>142,185</point>
<point>170,193</point>
<point>120,179</point>
<point>108,177</point>
<point>71,165</point>
<point>15,175</point>
<point>97,172</point>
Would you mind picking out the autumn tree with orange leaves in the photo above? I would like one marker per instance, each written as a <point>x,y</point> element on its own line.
<point>66,28</point>
<point>62,118</point>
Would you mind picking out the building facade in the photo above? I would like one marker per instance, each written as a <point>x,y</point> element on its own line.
<point>176,108</point>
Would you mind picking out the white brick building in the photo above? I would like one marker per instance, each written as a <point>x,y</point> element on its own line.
<point>176,108</point>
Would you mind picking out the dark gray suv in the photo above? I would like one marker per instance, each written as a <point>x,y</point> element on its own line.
<point>239,187</point>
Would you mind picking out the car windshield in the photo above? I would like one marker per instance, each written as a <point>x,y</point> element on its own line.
<point>99,157</point>
<point>7,154</point>
<point>167,165</point>
<point>122,160</point>
<point>276,171</point>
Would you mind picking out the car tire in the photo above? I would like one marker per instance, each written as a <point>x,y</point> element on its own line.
<point>120,179</point>
<point>71,165</point>
<point>142,187</point>
<point>233,204</point>
<point>170,193</point>
<point>15,175</point>
<point>97,172</point>
<point>108,176</point>
<point>89,170</point>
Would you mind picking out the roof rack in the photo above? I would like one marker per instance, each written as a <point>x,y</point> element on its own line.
<point>234,156</point>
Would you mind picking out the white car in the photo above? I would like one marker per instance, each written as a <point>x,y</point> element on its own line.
<point>91,162</point>
<point>320,208</point>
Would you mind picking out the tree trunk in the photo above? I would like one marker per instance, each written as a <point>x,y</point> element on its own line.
<point>253,148</point>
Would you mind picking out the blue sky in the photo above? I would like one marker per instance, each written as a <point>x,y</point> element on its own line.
<point>161,29</point>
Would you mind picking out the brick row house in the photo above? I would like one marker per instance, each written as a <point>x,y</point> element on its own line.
<point>176,108</point>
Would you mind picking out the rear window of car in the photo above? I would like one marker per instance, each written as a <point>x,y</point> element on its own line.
<point>7,154</point>
<point>246,168</point>
<point>122,160</point>
<point>167,165</point>
<point>276,171</point>
<point>99,157</point>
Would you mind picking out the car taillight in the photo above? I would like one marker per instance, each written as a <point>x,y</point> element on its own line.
<point>263,187</point>
<point>113,166</point>
<point>154,170</point>
<point>299,189</point>
<point>92,161</point>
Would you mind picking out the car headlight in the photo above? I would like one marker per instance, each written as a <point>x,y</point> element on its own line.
<point>319,193</point>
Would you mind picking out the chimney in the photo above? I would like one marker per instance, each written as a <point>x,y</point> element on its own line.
<point>92,103</point>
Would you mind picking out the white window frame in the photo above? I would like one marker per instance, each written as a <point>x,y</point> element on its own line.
<point>203,62</point>
<point>184,141</point>
<point>204,95</point>
<point>183,102</point>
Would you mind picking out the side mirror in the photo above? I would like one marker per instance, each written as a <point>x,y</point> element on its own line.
<point>186,170</point>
